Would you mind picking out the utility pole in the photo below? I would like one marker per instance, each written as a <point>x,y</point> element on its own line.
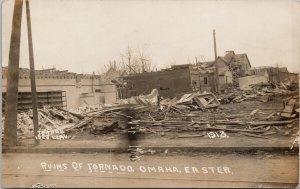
<point>216,64</point>
<point>32,75</point>
<point>11,105</point>
<point>129,59</point>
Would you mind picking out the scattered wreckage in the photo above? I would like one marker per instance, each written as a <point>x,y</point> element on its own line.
<point>196,113</point>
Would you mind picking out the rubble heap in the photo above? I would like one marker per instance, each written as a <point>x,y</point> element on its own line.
<point>260,92</point>
<point>193,112</point>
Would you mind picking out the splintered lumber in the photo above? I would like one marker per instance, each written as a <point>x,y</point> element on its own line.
<point>258,127</point>
<point>186,124</point>
<point>211,100</point>
<point>58,115</point>
<point>77,115</point>
<point>269,116</point>
<point>99,112</point>
<point>295,140</point>
<point>271,123</point>
<point>186,99</point>
<point>269,133</point>
<point>189,136</point>
<point>220,122</point>
<point>236,130</point>
<point>254,112</point>
<point>230,130</point>
<point>80,124</point>
<point>237,115</point>
<point>73,114</point>
<point>208,100</point>
<point>176,108</point>
<point>288,109</point>
<point>283,85</point>
<point>45,117</point>
<point>252,135</point>
<point>117,113</point>
<point>110,128</point>
<point>165,130</point>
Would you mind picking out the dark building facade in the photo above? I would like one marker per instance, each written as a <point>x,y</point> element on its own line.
<point>171,82</point>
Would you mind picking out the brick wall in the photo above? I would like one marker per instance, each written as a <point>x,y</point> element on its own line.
<point>168,82</point>
<point>80,89</point>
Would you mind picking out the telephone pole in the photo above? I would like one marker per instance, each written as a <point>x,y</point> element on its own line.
<point>11,105</point>
<point>216,64</point>
<point>32,75</point>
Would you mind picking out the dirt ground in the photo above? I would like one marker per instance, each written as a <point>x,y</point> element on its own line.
<point>176,170</point>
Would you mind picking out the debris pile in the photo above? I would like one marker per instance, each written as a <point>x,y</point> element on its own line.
<point>150,99</point>
<point>203,101</point>
<point>261,92</point>
<point>49,118</point>
<point>196,113</point>
<point>291,107</point>
<point>239,96</point>
<point>259,129</point>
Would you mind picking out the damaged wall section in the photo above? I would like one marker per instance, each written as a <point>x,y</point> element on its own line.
<point>275,74</point>
<point>80,89</point>
<point>167,82</point>
<point>175,81</point>
<point>246,82</point>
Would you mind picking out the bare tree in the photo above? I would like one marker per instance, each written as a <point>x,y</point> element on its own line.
<point>144,62</point>
<point>203,59</point>
<point>132,62</point>
<point>111,65</point>
<point>137,61</point>
<point>128,56</point>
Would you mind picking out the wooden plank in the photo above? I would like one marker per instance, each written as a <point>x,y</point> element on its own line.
<point>269,116</point>
<point>190,136</point>
<point>271,123</point>
<point>80,124</point>
<point>254,112</point>
<point>252,135</point>
<point>73,114</point>
<point>45,117</point>
<point>288,109</point>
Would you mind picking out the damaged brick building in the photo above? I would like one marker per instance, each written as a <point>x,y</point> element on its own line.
<point>185,78</point>
<point>168,82</point>
<point>62,88</point>
<point>177,80</point>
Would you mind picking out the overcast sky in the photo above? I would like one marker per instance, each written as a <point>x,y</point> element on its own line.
<point>81,36</point>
